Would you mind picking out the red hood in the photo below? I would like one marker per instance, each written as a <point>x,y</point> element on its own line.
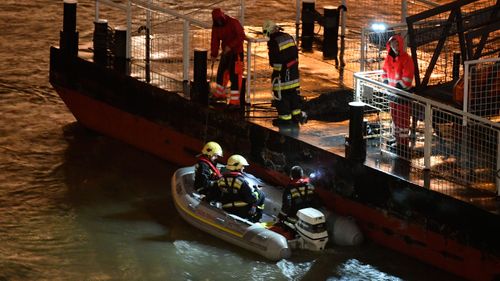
<point>218,14</point>
<point>400,41</point>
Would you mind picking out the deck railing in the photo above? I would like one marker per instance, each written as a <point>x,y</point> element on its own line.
<point>448,142</point>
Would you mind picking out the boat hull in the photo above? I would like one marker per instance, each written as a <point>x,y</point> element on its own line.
<point>239,232</point>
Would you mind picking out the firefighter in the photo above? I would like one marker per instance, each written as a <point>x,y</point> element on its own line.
<point>206,172</point>
<point>398,71</point>
<point>228,34</point>
<point>284,59</point>
<point>236,194</point>
<point>298,194</point>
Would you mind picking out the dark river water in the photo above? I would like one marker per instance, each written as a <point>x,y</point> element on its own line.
<point>75,205</point>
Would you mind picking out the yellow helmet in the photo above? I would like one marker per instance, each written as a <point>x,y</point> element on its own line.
<point>212,148</point>
<point>269,27</point>
<point>236,162</point>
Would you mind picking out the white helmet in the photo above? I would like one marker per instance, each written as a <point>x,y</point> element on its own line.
<point>236,162</point>
<point>269,27</point>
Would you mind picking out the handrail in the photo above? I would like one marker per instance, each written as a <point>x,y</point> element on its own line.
<point>362,76</point>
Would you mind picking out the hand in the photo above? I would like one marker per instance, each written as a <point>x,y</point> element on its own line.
<point>253,210</point>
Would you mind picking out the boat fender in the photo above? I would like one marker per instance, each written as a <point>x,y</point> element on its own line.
<point>343,230</point>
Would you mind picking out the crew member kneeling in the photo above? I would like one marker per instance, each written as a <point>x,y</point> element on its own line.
<point>236,194</point>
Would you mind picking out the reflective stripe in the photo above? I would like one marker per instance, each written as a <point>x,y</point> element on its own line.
<point>286,46</point>
<point>285,117</point>
<point>287,85</point>
<point>235,204</point>
<point>277,66</point>
<point>296,111</point>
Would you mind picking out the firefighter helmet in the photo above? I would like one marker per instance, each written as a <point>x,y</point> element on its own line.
<point>212,148</point>
<point>236,162</point>
<point>269,27</point>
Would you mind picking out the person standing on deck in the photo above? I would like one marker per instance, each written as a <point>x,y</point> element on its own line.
<point>237,196</point>
<point>227,34</point>
<point>206,172</point>
<point>284,59</point>
<point>398,71</point>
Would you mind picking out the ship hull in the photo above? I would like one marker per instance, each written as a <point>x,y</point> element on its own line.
<point>436,229</point>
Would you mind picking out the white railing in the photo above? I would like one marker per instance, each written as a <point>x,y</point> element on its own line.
<point>481,87</point>
<point>449,142</point>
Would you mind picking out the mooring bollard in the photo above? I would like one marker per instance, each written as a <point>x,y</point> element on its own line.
<point>331,32</point>
<point>456,66</point>
<point>100,41</point>
<point>200,84</point>
<point>308,14</point>
<point>119,50</point>
<point>355,143</point>
<point>68,40</point>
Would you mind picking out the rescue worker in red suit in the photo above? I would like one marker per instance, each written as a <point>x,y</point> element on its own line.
<point>228,34</point>
<point>206,172</point>
<point>284,59</point>
<point>398,71</point>
<point>298,194</point>
<point>237,196</point>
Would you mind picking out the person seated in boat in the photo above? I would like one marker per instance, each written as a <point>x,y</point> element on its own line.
<point>237,196</point>
<point>298,194</point>
<point>206,172</point>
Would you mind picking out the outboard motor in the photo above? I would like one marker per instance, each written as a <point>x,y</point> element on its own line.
<point>311,228</point>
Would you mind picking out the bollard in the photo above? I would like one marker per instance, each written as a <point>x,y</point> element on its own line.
<point>100,41</point>
<point>119,50</point>
<point>331,33</point>
<point>68,40</point>
<point>456,66</point>
<point>200,84</point>
<point>308,12</point>
<point>356,144</point>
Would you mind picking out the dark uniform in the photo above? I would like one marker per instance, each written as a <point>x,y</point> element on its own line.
<point>298,194</point>
<point>206,176</point>
<point>283,58</point>
<point>237,196</point>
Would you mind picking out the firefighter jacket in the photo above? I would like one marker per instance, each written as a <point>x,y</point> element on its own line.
<point>398,70</point>
<point>230,34</point>
<point>283,58</point>
<point>298,194</point>
<point>206,175</point>
<point>236,193</point>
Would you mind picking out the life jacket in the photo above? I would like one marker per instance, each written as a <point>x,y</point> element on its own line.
<point>235,191</point>
<point>302,193</point>
<point>216,174</point>
<point>398,69</point>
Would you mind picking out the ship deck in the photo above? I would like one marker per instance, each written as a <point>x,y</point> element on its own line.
<point>318,77</point>
<point>330,136</point>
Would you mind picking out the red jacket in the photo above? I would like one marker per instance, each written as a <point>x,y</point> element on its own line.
<point>231,34</point>
<point>398,69</point>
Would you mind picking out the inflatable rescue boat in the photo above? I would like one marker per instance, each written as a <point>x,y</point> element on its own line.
<point>312,227</point>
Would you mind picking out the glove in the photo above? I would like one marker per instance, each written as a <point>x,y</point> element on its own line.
<point>252,210</point>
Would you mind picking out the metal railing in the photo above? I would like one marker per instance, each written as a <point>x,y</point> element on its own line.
<point>450,143</point>
<point>481,87</point>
